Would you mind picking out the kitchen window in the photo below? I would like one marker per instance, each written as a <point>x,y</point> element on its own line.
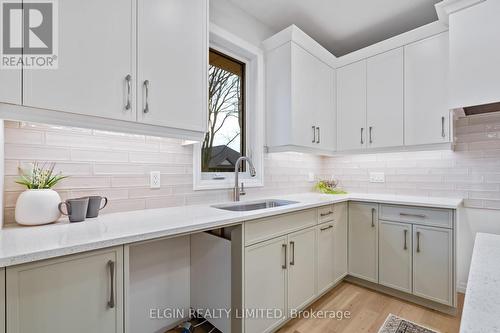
<point>235,114</point>
<point>225,140</point>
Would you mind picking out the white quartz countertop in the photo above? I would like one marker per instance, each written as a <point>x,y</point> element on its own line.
<point>26,244</point>
<point>481,313</point>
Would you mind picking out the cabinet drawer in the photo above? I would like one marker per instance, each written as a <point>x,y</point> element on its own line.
<point>425,216</point>
<point>268,228</point>
<point>326,213</point>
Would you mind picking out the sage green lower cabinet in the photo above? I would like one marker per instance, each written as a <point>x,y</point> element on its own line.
<point>433,263</point>
<point>265,283</point>
<point>326,256</point>
<point>79,294</point>
<point>363,241</point>
<point>340,242</point>
<point>301,268</point>
<point>395,251</point>
<point>2,300</point>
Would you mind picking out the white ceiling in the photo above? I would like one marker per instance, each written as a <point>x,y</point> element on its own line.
<point>343,26</point>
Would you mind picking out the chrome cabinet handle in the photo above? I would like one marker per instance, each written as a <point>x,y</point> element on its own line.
<point>373,218</point>
<point>283,246</point>
<point>128,80</point>
<point>370,133</point>
<point>292,255</point>
<point>314,134</point>
<point>326,214</point>
<point>319,135</point>
<point>405,246</point>
<point>326,228</point>
<point>146,97</point>
<point>418,241</point>
<point>111,302</point>
<point>443,134</point>
<point>362,141</point>
<point>422,216</point>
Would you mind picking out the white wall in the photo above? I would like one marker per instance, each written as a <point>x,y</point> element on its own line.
<point>232,18</point>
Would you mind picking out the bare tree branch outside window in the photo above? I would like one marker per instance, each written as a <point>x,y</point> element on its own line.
<point>224,142</point>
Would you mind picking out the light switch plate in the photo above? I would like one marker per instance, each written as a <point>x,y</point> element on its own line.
<point>155,179</point>
<point>377,177</point>
<point>311,177</point>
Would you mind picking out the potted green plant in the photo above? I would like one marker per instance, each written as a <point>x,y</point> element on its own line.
<point>38,203</point>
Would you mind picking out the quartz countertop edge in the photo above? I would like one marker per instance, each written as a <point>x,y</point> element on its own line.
<point>20,245</point>
<point>482,298</point>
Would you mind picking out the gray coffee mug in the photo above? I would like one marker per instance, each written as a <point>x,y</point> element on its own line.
<point>95,203</point>
<point>76,209</point>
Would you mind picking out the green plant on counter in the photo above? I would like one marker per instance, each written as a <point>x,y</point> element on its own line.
<point>328,187</point>
<point>40,176</point>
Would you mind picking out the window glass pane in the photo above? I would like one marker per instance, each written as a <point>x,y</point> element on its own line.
<point>224,142</point>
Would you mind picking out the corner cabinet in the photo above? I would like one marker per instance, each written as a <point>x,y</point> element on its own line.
<point>140,67</point>
<point>363,241</point>
<point>78,293</point>
<point>300,96</point>
<point>370,102</point>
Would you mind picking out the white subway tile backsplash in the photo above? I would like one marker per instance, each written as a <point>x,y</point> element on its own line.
<point>98,156</point>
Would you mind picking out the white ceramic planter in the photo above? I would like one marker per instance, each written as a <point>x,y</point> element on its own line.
<point>36,207</point>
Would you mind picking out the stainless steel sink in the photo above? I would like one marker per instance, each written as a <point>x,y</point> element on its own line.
<point>254,205</point>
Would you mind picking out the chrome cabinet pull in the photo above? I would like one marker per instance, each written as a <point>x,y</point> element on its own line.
<point>314,134</point>
<point>146,97</point>
<point>405,233</point>
<point>418,241</point>
<point>319,135</point>
<point>370,133</point>
<point>326,228</point>
<point>326,214</point>
<point>443,134</point>
<point>362,141</point>
<point>422,216</point>
<point>111,302</point>
<point>292,255</point>
<point>373,217</point>
<point>283,246</point>
<point>128,80</point>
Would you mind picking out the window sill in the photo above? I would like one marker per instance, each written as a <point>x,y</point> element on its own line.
<point>224,184</point>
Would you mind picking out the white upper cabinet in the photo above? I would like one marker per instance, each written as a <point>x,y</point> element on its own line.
<point>300,96</point>
<point>10,86</point>
<point>385,99</point>
<point>426,90</point>
<point>351,106</point>
<point>474,54</point>
<point>95,57</point>
<point>172,63</point>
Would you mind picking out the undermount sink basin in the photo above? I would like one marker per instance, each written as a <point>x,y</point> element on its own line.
<point>255,205</point>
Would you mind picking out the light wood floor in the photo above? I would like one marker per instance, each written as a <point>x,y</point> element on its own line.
<point>369,309</point>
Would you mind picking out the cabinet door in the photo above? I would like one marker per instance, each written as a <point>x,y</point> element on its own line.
<point>173,59</point>
<point>2,300</point>
<point>312,100</point>
<point>395,250</point>
<point>340,242</point>
<point>10,86</point>
<point>351,106</point>
<point>81,294</point>
<point>426,91</point>
<point>265,282</point>
<point>301,268</point>
<point>326,256</point>
<point>95,56</point>
<point>363,241</point>
<point>433,263</point>
<point>385,99</point>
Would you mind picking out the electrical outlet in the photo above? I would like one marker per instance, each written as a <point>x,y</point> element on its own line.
<point>377,177</point>
<point>310,177</point>
<point>154,179</point>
